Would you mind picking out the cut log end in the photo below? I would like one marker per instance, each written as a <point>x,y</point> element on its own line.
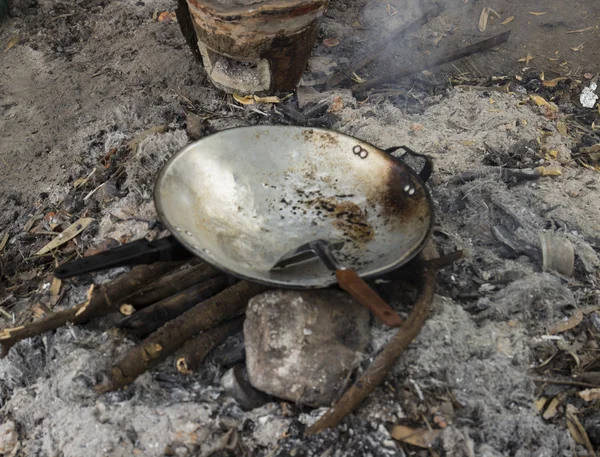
<point>182,366</point>
<point>126,309</point>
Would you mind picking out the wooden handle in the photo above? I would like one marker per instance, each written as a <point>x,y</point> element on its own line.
<point>366,296</point>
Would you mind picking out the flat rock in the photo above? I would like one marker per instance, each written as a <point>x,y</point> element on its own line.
<point>302,345</point>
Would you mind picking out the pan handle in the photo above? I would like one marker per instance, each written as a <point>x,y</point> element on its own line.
<point>427,169</point>
<point>135,253</point>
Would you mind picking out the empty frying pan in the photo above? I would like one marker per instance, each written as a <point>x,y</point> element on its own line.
<point>243,199</point>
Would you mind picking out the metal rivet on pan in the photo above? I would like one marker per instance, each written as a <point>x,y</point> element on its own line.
<point>188,233</point>
<point>206,251</point>
<point>178,229</point>
<point>406,188</point>
<point>196,246</point>
<point>411,191</point>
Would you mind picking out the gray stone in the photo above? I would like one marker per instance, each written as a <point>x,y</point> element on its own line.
<point>302,345</point>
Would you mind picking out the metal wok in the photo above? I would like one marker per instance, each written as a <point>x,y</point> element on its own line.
<point>242,199</point>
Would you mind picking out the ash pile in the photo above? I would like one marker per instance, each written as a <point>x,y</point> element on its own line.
<point>505,364</point>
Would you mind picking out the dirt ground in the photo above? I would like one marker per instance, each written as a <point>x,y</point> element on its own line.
<point>86,78</point>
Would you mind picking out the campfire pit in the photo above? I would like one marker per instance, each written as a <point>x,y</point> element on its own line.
<point>253,46</point>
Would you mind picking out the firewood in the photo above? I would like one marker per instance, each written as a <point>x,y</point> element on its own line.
<point>195,350</point>
<point>149,319</point>
<point>172,284</point>
<point>383,363</point>
<point>170,337</point>
<point>102,300</point>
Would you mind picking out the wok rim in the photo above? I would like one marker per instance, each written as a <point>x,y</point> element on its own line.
<point>333,281</point>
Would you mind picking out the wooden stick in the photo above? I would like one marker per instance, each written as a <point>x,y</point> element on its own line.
<point>171,336</point>
<point>172,284</point>
<point>431,63</point>
<point>151,318</point>
<point>379,369</point>
<point>566,383</point>
<point>382,47</point>
<point>102,300</point>
<point>195,350</point>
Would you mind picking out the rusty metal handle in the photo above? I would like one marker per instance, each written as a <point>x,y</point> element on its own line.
<point>349,281</point>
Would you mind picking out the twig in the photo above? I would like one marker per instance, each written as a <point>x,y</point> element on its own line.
<point>171,336</point>
<point>172,284</point>
<point>153,317</point>
<point>195,350</point>
<point>379,369</point>
<point>434,62</point>
<point>566,383</point>
<point>382,47</point>
<point>103,299</point>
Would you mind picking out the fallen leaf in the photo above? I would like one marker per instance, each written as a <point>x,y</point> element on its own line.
<point>578,48</point>
<point>541,101</point>
<point>589,395</point>
<point>564,346</point>
<point>252,99</point>
<point>69,233</point>
<point>336,105</point>
<point>528,58</point>
<point>357,25</point>
<point>358,79</point>
<point>427,73</point>
<point>570,323</point>
<point>420,437</point>
<point>540,403</point>
<point>588,75</point>
<point>553,82</point>
<point>508,20</point>
<point>537,13</point>
<point>577,430</point>
<point>14,40</point>
<point>492,101</point>
<point>553,154</point>
<point>552,408</point>
<point>437,40</point>
<point>133,144</point>
<point>331,42</point>
<point>542,76</point>
<point>155,15</point>
<point>591,149</point>
<point>440,421</point>
<point>40,310</point>
<point>483,19</point>
<point>3,242</point>
<point>519,78</point>
<point>168,16</point>
<point>587,29</point>
<point>468,143</point>
<point>55,286</point>
<point>417,127</point>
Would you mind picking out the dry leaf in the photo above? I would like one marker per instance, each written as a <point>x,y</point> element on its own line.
<point>541,101</point>
<point>572,322</point>
<point>542,76</point>
<point>358,79</point>
<point>578,48</point>
<point>420,437</point>
<point>553,154</point>
<point>55,286</point>
<point>587,29</point>
<point>69,233</point>
<point>588,75</point>
<point>483,19</point>
<point>133,144</point>
<point>168,16</point>
<point>417,127</point>
<point>14,40</point>
<point>562,128</point>
<point>528,58</point>
<point>427,73</point>
<point>508,20</point>
<point>357,25</point>
<point>252,99</point>
<point>3,242</point>
<point>553,82</point>
<point>336,105</point>
<point>589,395</point>
<point>552,410</point>
<point>564,346</point>
<point>540,403</point>
<point>591,149</point>
<point>536,13</point>
<point>519,78</point>
<point>577,430</point>
<point>331,42</point>
<point>40,310</point>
